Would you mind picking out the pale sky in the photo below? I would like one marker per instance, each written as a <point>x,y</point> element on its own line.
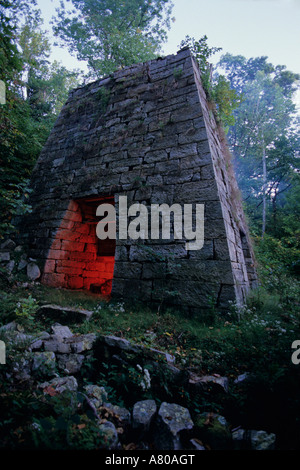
<point>251,28</point>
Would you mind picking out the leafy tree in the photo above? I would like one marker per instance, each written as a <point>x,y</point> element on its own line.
<point>263,140</point>
<point>109,34</point>
<point>35,92</point>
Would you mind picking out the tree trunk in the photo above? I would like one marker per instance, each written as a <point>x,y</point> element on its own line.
<point>264,162</point>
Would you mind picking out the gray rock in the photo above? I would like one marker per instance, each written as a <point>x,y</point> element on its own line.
<point>66,314</point>
<point>4,256</point>
<point>39,340</point>
<point>61,384</point>
<point>10,266</point>
<point>261,440</point>
<point>8,245</point>
<point>96,394</point>
<point>242,378</point>
<point>33,271</point>
<point>143,414</point>
<point>239,438</point>
<point>22,264</point>
<point>57,346</point>
<point>109,436</point>
<point>44,363</point>
<point>197,445</point>
<point>21,368</point>
<point>172,421</point>
<point>70,363</point>
<point>207,381</point>
<point>61,332</point>
<point>81,343</point>
<point>12,326</point>
<point>122,414</point>
<point>120,343</point>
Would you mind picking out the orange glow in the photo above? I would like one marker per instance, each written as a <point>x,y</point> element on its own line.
<point>76,260</point>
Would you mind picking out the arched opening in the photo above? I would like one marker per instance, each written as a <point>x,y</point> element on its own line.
<point>77,258</point>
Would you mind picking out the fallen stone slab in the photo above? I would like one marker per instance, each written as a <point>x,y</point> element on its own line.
<point>207,381</point>
<point>64,314</point>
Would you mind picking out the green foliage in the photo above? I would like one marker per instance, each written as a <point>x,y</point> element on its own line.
<point>13,203</point>
<point>217,88</point>
<point>113,34</point>
<point>25,310</point>
<point>103,95</point>
<point>202,52</point>
<point>35,93</point>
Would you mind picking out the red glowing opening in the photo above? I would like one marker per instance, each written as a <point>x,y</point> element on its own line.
<point>77,258</point>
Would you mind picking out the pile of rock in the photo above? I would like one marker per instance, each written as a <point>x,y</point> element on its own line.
<point>13,259</point>
<point>52,363</point>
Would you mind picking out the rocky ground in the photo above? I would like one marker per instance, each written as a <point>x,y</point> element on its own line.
<point>51,364</point>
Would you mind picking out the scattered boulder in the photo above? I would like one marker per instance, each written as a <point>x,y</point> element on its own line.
<point>22,264</point>
<point>239,439</point>
<point>33,271</point>
<point>173,421</point>
<point>70,363</point>
<point>96,394</point>
<point>4,256</point>
<point>143,414</point>
<point>209,381</point>
<point>21,367</point>
<point>253,440</point>
<point>8,245</point>
<point>169,428</point>
<point>242,378</point>
<point>261,440</point>
<point>122,415</point>
<point>61,332</point>
<point>81,343</point>
<point>10,266</point>
<point>109,436</point>
<point>197,445</point>
<point>64,314</point>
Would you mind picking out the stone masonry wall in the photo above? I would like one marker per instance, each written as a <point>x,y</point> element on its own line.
<point>145,132</point>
